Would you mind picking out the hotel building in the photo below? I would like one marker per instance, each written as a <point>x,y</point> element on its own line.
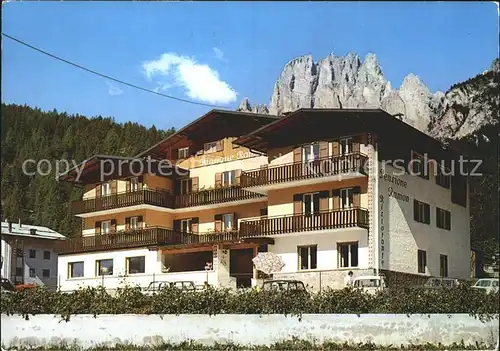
<point>328,190</point>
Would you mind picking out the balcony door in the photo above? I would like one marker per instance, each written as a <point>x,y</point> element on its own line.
<point>347,198</point>
<point>310,152</point>
<point>311,208</point>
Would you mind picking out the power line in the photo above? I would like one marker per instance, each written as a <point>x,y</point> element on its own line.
<point>106,76</point>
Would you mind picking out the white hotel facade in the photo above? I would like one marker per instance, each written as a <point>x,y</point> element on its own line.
<point>313,187</point>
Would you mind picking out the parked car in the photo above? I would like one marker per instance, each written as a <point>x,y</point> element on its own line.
<point>436,283</point>
<point>487,284</point>
<point>187,286</point>
<point>156,286</point>
<point>369,283</point>
<point>284,285</point>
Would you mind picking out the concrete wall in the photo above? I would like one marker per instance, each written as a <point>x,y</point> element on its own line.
<point>404,236</point>
<point>143,330</point>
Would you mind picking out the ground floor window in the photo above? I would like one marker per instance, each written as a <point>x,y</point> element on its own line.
<point>104,267</point>
<point>136,265</point>
<point>46,273</point>
<point>347,254</point>
<point>443,265</point>
<point>422,261</point>
<point>32,273</point>
<point>307,257</point>
<point>75,269</point>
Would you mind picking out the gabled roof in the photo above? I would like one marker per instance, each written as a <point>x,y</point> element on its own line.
<point>307,125</point>
<point>30,231</point>
<point>212,126</point>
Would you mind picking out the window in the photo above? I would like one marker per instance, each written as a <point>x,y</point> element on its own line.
<point>441,179</point>
<point>419,165</point>
<point>134,184</point>
<point>186,225</point>
<point>348,255</point>
<point>136,265</point>
<point>32,253</point>
<point>421,212</point>
<point>183,152</point>
<point>105,189</point>
<point>308,257</point>
<point>310,152</point>
<point>134,223</point>
<point>32,273</point>
<point>185,186</point>
<point>105,227</point>
<point>345,146</point>
<point>210,147</point>
<point>311,203</point>
<point>228,178</point>
<point>46,273</point>
<point>75,269</point>
<point>422,261</point>
<point>19,271</point>
<point>346,197</point>
<point>104,267</point>
<point>46,255</point>
<point>443,219</point>
<point>227,221</point>
<point>443,265</point>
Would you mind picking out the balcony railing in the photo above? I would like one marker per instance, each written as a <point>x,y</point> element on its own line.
<point>150,236</point>
<point>346,218</point>
<point>140,197</point>
<point>214,196</point>
<point>322,167</point>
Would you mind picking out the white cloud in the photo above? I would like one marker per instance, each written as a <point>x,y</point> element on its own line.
<point>114,90</point>
<point>200,81</point>
<point>218,54</point>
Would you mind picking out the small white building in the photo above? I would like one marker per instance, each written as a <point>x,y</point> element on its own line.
<point>29,254</point>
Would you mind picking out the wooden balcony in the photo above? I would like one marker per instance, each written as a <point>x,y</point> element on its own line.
<point>336,219</point>
<point>150,236</point>
<point>214,196</point>
<point>323,167</point>
<point>140,197</point>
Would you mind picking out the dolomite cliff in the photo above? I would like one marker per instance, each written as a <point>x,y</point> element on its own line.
<point>348,82</point>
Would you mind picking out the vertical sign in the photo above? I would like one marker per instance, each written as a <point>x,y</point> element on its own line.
<point>381,231</point>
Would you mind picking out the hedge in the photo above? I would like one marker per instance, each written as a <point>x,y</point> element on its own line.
<point>131,300</point>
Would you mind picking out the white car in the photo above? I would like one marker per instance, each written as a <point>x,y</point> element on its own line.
<point>369,283</point>
<point>487,284</point>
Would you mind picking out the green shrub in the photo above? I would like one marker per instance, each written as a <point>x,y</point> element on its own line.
<point>131,300</point>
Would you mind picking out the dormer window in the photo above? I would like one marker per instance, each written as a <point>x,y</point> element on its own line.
<point>183,153</point>
<point>210,147</point>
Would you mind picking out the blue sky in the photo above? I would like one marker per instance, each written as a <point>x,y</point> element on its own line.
<point>221,52</point>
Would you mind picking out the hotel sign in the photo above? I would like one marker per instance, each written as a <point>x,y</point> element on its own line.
<point>208,161</point>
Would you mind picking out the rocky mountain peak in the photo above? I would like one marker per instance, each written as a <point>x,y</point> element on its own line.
<point>348,82</point>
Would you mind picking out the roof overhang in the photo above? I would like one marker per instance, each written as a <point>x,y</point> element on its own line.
<point>308,125</point>
<point>214,125</point>
<point>101,168</point>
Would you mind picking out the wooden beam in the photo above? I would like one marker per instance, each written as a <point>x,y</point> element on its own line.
<point>182,250</point>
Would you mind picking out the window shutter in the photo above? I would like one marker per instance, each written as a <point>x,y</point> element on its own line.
<point>336,199</point>
<point>114,186</point>
<point>218,179</point>
<point>263,211</point>
<point>335,148</point>
<point>297,204</point>
<point>113,225</point>
<point>427,209</point>
<point>194,183</point>
<point>127,186</point>
<point>448,220</point>
<point>127,223</point>
<point>323,149</point>
<point>323,200</point>
<point>235,221</point>
<point>98,190</point>
<point>415,210</point>
<point>177,186</point>
<point>140,181</point>
<point>355,144</point>
<point>140,221</point>
<point>356,198</point>
<point>218,222</point>
<point>195,224</point>
<point>177,224</point>
<point>297,155</point>
<point>237,177</point>
<point>219,145</point>
<point>98,227</point>
<point>175,154</point>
